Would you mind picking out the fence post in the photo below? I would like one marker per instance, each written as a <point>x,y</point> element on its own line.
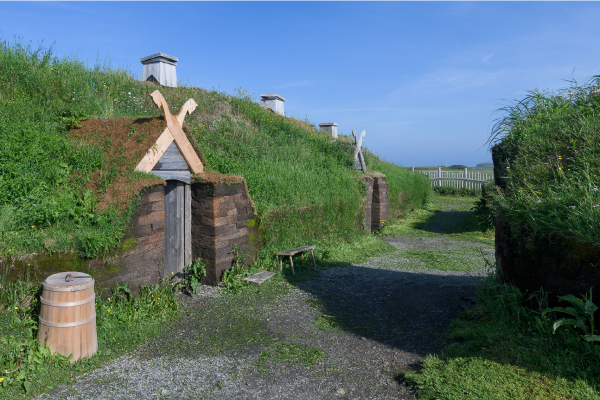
<point>439,176</point>
<point>465,181</point>
<point>413,168</point>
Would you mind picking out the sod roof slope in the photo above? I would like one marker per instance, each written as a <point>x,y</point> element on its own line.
<point>123,142</point>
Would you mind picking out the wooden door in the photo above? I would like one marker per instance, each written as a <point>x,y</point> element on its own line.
<point>178,233</point>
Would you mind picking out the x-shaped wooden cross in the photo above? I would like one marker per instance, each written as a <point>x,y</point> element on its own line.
<point>358,155</point>
<point>173,132</point>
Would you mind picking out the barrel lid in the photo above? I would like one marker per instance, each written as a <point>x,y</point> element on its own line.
<point>77,279</point>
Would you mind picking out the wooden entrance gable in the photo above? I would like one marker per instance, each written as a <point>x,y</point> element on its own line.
<point>172,157</point>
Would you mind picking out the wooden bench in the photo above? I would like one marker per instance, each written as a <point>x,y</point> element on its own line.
<point>292,252</point>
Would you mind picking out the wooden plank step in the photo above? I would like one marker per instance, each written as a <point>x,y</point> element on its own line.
<point>260,277</point>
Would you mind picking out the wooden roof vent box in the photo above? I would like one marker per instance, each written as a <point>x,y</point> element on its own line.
<point>330,127</point>
<point>160,68</point>
<point>274,102</point>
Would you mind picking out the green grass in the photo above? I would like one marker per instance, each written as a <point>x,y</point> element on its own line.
<point>457,222</point>
<point>546,146</point>
<point>295,353</point>
<point>447,260</point>
<point>122,325</point>
<point>303,185</point>
<point>501,349</point>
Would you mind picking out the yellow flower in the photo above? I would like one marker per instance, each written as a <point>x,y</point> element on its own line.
<point>32,226</point>
<point>16,308</point>
<point>2,379</point>
<point>109,299</point>
<point>108,310</point>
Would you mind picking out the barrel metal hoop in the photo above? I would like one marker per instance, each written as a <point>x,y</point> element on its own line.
<point>68,289</point>
<point>71,304</point>
<point>68,324</point>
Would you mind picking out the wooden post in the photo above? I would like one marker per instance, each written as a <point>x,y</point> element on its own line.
<point>313,257</point>
<point>187,229</point>
<point>466,182</point>
<point>174,228</point>
<point>439,176</point>
<point>292,264</point>
<point>413,168</point>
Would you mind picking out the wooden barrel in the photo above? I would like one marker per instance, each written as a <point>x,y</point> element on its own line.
<point>68,315</point>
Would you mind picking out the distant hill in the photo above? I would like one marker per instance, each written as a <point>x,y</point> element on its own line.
<point>485,165</point>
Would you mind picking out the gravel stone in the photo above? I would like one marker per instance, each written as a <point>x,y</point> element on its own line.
<point>373,321</point>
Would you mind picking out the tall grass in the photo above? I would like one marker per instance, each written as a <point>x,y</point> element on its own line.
<point>548,144</point>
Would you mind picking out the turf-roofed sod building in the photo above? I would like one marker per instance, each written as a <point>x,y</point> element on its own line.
<point>184,213</point>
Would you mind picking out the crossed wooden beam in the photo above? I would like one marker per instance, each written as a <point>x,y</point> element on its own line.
<point>173,132</point>
<point>358,155</point>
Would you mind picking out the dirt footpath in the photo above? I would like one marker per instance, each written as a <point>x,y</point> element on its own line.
<point>344,333</point>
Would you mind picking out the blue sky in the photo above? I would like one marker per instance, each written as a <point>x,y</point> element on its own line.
<point>422,78</point>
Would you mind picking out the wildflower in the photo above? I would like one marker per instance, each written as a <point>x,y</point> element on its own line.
<point>594,206</point>
<point>558,199</point>
<point>2,379</point>
<point>108,310</point>
<point>16,308</point>
<point>571,207</point>
<point>32,227</point>
<point>534,208</point>
<point>594,189</point>
<point>109,299</point>
<point>539,201</point>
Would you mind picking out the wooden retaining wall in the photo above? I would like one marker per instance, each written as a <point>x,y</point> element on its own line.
<point>142,258</point>
<point>223,216</point>
<point>377,203</point>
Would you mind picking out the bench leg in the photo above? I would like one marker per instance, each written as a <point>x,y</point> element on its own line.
<point>292,264</point>
<point>313,256</point>
<point>280,263</point>
<point>302,256</point>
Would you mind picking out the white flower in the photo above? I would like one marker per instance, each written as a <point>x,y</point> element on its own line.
<point>539,201</point>
<point>571,207</point>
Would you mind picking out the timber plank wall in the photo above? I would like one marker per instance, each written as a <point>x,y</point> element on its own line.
<point>223,216</point>
<point>143,258</point>
<point>377,203</point>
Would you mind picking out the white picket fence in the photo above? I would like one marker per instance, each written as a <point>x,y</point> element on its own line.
<point>458,179</point>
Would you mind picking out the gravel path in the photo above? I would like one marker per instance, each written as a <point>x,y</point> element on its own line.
<point>364,324</point>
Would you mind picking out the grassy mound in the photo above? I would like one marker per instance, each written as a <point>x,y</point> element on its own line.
<point>70,137</point>
<point>548,156</point>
